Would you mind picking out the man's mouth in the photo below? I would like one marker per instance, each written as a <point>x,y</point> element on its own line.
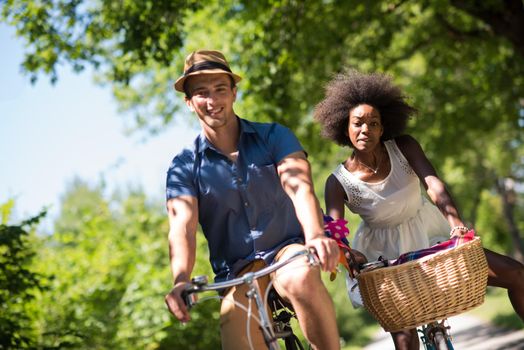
<point>214,111</point>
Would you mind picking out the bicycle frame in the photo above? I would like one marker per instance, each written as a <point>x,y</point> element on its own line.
<point>199,284</point>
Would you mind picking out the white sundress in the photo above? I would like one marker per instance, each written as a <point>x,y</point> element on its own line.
<point>396,217</point>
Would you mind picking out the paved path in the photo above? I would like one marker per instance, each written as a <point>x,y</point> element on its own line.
<point>469,333</point>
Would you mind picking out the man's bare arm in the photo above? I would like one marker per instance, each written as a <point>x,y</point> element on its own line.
<point>295,176</point>
<point>183,221</point>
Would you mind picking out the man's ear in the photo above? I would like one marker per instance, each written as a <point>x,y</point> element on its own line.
<point>189,104</point>
<point>234,93</point>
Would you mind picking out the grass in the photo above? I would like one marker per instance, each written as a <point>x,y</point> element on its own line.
<point>497,309</point>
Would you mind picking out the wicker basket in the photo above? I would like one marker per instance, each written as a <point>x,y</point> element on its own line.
<point>431,288</point>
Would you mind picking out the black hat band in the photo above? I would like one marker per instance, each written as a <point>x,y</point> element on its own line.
<point>206,65</point>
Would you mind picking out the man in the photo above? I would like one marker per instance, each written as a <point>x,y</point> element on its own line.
<point>249,186</point>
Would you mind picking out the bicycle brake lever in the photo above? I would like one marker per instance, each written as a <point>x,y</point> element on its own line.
<point>189,296</point>
<point>312,258</point>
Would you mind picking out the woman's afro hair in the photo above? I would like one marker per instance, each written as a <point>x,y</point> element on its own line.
<point>353,88</point>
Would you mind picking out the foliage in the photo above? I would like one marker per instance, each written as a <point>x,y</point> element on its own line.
<point>98,281</point>
<point>18,281</point>
<point>490,213</point>
<point>460,62</point>
<point>110,262</point>
<point>355,325</point>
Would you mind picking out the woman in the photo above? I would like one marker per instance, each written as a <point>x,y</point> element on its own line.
<point>380,181</point>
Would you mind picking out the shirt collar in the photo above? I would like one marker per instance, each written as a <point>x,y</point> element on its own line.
<point>204,144</point>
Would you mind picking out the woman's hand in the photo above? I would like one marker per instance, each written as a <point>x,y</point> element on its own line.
<point>459,231</point>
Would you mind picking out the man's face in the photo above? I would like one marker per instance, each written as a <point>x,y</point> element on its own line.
<point>212,99</point>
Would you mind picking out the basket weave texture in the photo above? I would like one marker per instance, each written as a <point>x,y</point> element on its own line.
<point>431,288</point>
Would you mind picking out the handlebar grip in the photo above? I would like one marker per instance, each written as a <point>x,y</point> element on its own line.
<point>189,297</point>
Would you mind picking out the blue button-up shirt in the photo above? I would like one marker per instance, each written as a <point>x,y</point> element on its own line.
<point>243,210</point>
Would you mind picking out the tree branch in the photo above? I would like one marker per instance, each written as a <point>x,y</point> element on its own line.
<point>506,21</point>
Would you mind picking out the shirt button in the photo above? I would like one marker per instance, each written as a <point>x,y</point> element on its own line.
<point>239,179</point>
<point>246,204</point>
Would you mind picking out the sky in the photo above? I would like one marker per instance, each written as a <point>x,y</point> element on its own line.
<point>50,134</point>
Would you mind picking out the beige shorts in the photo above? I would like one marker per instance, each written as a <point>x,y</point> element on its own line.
<point>233,319</point>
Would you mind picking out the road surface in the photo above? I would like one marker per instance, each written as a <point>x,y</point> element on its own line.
<point>469,333</point>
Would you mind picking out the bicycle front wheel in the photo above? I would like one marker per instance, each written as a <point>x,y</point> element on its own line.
<point>293,343</point>
<point>440,341</point>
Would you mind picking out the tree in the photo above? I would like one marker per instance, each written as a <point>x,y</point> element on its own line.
<point>288,47</point>
<point>18,281</point>
<point>109,258</point>
<point>459,60</point>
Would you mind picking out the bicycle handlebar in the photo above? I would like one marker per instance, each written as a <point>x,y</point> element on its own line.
<point>200,283</point>
<point>372,265</point>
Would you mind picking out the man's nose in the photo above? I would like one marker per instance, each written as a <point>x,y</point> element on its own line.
<point>211,98</point>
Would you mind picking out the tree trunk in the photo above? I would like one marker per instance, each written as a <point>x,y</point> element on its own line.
<point>506,189</point>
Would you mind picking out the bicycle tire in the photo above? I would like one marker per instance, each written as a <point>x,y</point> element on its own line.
<point>200,284</point>
<point>293,343</point>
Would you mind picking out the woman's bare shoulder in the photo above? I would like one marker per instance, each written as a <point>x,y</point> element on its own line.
<point>408,145</point>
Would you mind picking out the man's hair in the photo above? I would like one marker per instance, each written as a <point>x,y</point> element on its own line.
<point>353,88</point>
<point>188,95</point>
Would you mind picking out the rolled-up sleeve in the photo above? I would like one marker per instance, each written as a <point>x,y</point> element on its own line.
<point>282,142</point>
<point>179,179</point>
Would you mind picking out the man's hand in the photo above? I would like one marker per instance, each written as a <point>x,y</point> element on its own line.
<point>327,251</point>
<point>176,304</point>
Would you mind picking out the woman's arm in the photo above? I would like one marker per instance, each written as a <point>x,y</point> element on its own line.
<point>334,197</point>
<point>434,186</point>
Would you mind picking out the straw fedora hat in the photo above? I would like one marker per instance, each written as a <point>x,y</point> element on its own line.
<point>204,62</point>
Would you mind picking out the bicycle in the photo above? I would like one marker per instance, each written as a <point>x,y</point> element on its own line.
<point>274,327</point>
<point>434,335</point>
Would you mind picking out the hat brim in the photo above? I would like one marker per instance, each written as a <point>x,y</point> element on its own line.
<point>179,84</point>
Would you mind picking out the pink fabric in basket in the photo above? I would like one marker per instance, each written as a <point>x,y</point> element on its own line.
<point>455,241</point>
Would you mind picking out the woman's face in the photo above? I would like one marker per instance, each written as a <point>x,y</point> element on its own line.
<point>364,127</point>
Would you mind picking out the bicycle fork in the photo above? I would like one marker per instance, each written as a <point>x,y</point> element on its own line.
<point>435,336</point>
